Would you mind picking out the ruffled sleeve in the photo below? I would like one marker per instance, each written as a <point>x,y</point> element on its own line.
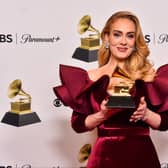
<point>76,89</point>
<point>157,91</point>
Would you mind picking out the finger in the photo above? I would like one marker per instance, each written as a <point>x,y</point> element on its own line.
<point>141,106</point>
<point>104,101</point>
<point>135,118</point>
<point>138,112</point>
<point>103,104</point>
<point>135,114</point>
<point>142,100</point>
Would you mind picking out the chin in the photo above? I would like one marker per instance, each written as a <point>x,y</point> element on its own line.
<point>122,57</point>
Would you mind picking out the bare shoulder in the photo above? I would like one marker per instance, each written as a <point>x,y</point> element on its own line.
<point>94,74</point>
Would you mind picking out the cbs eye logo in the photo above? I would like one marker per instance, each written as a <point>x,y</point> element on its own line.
<point>6,38</point>
<point>57,102</point>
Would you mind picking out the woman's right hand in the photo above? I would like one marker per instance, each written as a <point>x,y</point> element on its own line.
<point>108,112</point>
<point>103,114</point>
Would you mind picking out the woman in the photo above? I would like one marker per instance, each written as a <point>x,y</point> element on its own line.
<point>123,133</point>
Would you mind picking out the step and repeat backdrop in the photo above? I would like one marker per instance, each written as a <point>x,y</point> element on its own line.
<point>35,37</point>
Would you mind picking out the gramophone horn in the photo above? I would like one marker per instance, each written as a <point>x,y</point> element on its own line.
<point>15,89</point>
<point>84,153</point>
<point>85,25</point>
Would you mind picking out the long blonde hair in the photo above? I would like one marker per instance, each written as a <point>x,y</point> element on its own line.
<point>137,64</point>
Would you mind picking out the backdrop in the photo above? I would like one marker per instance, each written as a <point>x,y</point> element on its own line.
<point>35,37</point>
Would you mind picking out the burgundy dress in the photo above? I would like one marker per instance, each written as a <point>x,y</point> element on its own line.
<point>120,143</point>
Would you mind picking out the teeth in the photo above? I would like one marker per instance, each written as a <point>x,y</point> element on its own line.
<point>122,49</point>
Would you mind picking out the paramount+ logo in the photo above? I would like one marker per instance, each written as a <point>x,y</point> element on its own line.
<point>29,166</point>
<point>6,38</point>
<point>18,38</point>
<point>16,166</point>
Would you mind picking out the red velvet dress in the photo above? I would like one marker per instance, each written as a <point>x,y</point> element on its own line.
<point>120,143</point>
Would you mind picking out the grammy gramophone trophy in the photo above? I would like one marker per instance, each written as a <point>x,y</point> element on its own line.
<point>90,44</point>
<point>20,113</point>
<point>120,97</point>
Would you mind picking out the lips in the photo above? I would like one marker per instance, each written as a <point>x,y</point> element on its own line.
<point>122,49</point>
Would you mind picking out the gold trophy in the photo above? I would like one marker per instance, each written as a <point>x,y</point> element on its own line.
<point>120,97</point>
<point>84,153</point>
<point>20,113</point>
<point>90,44</point>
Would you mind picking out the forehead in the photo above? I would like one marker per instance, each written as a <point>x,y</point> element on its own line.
<point>124,25</point>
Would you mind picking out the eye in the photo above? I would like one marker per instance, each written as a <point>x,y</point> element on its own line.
<point>116,34</point>
<point>131,35</point>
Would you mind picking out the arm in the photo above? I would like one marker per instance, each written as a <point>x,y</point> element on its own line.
<point>82,123</point>
<point>78,122</point>
<point>153,119</point>
<point>164,121</point>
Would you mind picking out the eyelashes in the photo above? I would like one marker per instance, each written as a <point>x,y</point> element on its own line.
<point>129,35</point>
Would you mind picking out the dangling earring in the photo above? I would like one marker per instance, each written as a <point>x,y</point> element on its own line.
<point>107,45</point>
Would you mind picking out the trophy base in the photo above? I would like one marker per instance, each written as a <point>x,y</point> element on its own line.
<point>85,55</point>
<point>121,102</point>
<point>20,119</point>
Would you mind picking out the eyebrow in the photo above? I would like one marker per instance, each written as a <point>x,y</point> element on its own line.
<point>122,32</point>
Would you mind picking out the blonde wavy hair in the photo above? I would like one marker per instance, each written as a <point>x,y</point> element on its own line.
<point>137,65</point>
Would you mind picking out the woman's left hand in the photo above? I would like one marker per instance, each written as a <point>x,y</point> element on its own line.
<point>141,111</point>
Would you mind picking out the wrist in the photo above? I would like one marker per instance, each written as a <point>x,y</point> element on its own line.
<point>147,115</point>
<point>100,116</point>
<point>152,118</point>
<point>95,119</point>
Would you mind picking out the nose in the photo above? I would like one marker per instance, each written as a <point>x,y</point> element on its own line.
<point>123,41</point>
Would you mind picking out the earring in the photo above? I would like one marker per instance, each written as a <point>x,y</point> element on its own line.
<point>107,45</point>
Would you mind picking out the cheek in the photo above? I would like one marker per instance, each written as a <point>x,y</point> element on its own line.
<point>113,48</point>
<point>131,49</point>
<point>131,43</point>
<point>114,41</point>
